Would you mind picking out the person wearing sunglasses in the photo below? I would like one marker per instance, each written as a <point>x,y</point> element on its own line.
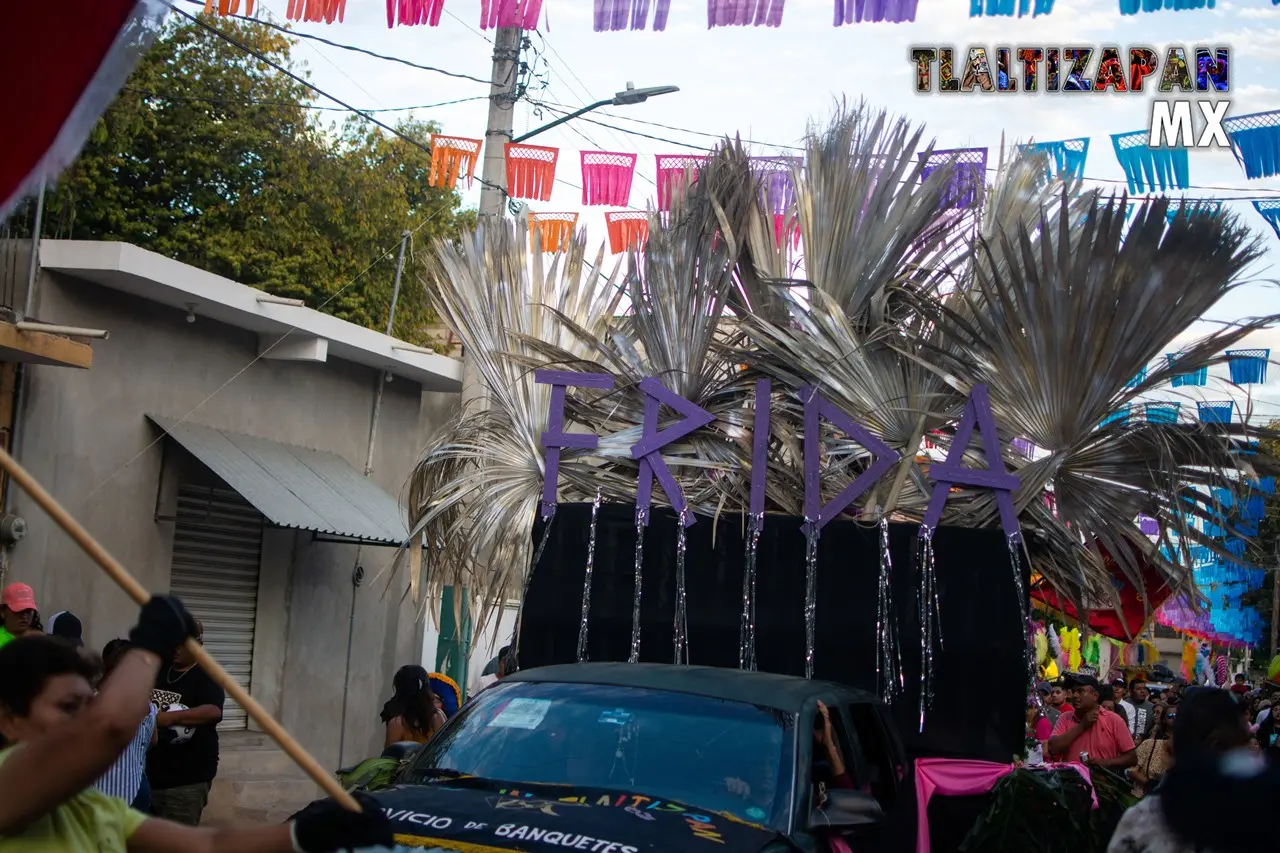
<point>1154,753</point>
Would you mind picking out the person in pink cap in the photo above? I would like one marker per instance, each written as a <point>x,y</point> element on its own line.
<point>18,614</point>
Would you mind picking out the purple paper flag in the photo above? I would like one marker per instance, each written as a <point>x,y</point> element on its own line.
<point>977,413</point>
<point>760,445</point>
<point>777,191</point>
<point>816,407</point>
<point>648,448</point>
<point>555,437</point>
<point>1147,525</point>
<point>873,11</point>
<point>968,175</point>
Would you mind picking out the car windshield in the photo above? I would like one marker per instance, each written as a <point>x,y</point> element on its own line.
<point>711,753</point>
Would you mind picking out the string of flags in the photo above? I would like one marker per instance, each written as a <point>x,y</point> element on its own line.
<point>621,15</point>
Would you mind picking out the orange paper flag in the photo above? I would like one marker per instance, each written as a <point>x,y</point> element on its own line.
<point>227,7</point>
<point>628,229</point>
<point>531,171</point>
<point>551,232</point>
<point>450,156</point>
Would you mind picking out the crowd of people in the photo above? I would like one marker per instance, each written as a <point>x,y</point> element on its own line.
<point>117,753</point>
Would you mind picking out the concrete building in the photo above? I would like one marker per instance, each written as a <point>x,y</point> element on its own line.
<point>216,444</point>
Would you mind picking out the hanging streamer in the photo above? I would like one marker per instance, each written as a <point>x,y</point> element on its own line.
<point>1133,7</point>
<point>617,15</point>
<point>930,619</point>
<point>1066,156</point>
<point>316,11</point>
<point>780,221</point>
<point>744,13</point>
<point>874,11</point>
<point>682,609</point>
<point>1149,169</point>
<point>1192,206</point>
<point>1216,412</point>
<point>586,580</point>
<point>628,229</point>
<point>413,13</point>
<point>1248,366</point>
<point>451,158</point>
<point>549,518</point>
<point>777,189</point>
<point>1007,8</point>
<point>1270,211</point>
<point>606,178</point>
<point>227,7</point>
<point>1162,413</point>
<point>1197,377</point>
<point>1014,544</point>
<point>498,14</point>
<point>888,655</point>
<point>675,173</point>
<point>968,176</point>
<point>531,171</point>
<point>812,532</point>
<point>642,520</point>
<point>747,632</point>
<point>551,232</point>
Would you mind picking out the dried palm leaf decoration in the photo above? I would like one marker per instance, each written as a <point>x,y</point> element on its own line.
<point>896,307</point>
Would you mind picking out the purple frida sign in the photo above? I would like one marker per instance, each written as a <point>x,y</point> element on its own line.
<point>648,450</point>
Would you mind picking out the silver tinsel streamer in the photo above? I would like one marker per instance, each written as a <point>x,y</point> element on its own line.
<point>810,593</point>
<point>888,654</point>
<point>747,634</point>
<point>586,580</point>
<point>1028,648</point>
<point>930,620</point>
<point>635,604</point>
<point>528,578</point>
<point>682,612</point>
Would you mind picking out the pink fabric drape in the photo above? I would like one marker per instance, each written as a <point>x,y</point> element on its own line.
<point>955,777</point>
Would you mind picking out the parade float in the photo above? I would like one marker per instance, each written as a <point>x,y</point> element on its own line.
<point>876,387</point>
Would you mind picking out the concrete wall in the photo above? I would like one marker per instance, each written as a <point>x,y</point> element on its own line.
<point>86,438</point>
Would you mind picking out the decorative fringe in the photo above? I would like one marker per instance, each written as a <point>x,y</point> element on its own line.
<point>1150,169</point>
<point>1055,645</point>
<point>1093,650</point>
<point>606,178</point>
<point>628,229</point>
<point>450,155</point>
<point>1041,641</point>
<point>1120,416</point>
<point>1221,671</point>
<point>227,7</point>
<point>1005,8</point>
<point>1071,645</point>
<point>531,171</point>
<point>1133,7</point>
<point>744,13</point>
<point>496,14</point>
<point>1162,413</point>
<point>777,190</point>
<point>410,13</point>
<point>1270,211</point>
<point>551,232</point>
<point>617,15</point>
<point>1190,206</point>
<point>675,173</point>
<point>1188,660</point>
<point>1216,412</point>
<point>968,176</point>
<point>780,230</point>
<point>315,11</point>
<point>1255,139</point>
<point>930,618</point>
<point>1248,366</point>
<point>1148,526</point>
<point>1194,378</point>
<point>1066,156</point>
<point>1025,447</point>
<point>874,11</point>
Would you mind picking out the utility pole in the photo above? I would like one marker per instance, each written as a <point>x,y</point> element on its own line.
<point>503,85</point>
<point>1275,606</point>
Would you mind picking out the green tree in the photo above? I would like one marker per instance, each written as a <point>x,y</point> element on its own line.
<point>210,156</point>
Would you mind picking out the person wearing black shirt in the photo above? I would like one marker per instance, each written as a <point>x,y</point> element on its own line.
<point>181,766</point>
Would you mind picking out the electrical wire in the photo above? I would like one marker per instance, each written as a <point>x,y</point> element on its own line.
<point>247,102</point>
<point>311,36</point>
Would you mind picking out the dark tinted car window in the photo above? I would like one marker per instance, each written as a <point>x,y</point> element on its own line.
<point>660,744</point>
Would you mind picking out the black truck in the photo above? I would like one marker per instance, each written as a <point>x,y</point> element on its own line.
<point>624,758</point>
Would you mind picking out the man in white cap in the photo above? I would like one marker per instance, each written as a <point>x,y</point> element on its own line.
<point>65,625</point>
<point>18,612</point>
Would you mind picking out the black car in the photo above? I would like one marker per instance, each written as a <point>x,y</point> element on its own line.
<point>623,758</point>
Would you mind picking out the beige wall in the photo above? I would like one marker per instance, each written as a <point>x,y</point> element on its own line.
<point>86,438</point>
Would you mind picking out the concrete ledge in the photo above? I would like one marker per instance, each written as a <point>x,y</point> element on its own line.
<point>43,348</point>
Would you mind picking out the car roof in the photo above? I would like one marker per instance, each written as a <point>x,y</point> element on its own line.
<point>783,692</point>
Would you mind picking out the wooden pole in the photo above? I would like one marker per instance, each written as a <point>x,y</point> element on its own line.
<point>118,573</point>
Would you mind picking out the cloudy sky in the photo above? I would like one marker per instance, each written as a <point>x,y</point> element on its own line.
<point>767,83</point>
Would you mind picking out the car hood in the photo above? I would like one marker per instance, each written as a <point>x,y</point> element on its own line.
<point>479,816</point>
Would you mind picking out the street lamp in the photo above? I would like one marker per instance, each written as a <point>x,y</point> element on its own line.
<point>628,96</point>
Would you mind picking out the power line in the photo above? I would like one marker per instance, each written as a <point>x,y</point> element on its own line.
<point>250,102</point>
<point>295,34</point>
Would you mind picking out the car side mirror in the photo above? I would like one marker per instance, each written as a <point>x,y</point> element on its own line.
<point>846,809</point>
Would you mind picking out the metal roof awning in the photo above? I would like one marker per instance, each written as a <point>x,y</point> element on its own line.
<point>294,486</point>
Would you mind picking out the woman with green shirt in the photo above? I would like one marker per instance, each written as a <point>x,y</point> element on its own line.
<point>18,614</point>
<point>58,738</point>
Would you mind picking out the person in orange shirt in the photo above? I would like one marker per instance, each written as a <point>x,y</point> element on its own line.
<point>1091,734</point>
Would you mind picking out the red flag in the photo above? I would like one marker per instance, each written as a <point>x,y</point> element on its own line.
<point>1136,605</point>
<point>62,65</point>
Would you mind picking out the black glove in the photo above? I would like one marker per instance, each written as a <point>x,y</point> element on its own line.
<point>163,625</point>
<point>326,826</point>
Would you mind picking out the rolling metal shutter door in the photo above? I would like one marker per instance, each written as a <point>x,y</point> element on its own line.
<point>217,548</point>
